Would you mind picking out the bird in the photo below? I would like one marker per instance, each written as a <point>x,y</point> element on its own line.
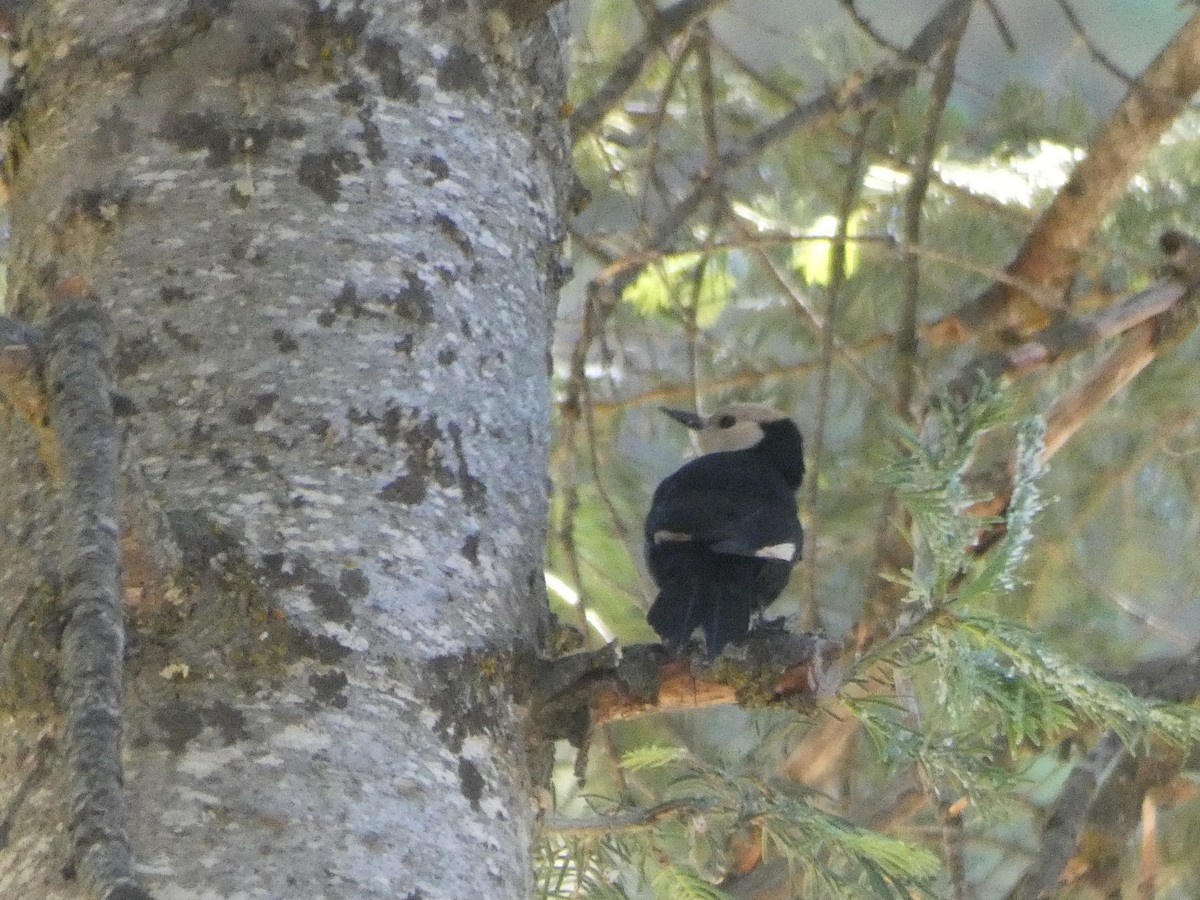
<point>723,531</point>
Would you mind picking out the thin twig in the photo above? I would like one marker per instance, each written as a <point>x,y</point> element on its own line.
<point>858,93</point>
<point>572,410</point>
<point>625,822</point>
<point>867,28</point>
<point>650,166</point>
<point>614,267</point>
<point>1005,32</point>
<point>906,333</point>
<point>669,22</point>
<point>817,322</point>
<point>674,393</point>
<point>1098,55</point>
<point>811,616</point>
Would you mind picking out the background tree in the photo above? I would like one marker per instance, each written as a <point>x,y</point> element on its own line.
<point>323,241</point>
<point>849,210</point>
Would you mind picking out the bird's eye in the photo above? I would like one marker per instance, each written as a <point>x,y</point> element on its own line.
<point>726,421</point>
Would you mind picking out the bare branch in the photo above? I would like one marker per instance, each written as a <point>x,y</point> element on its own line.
<point>865,26</point>
<point>772,667</point>
<point>1001,25</point>
<point>1053,248</point>
<point>1095,51</point>
<point>632,820</point>
<point>906,333</point>
<point>837,279</point>
<point>1174,680</point>
<point>1070,336</point>
<point>857,94</point>
<point>1060,837</point>
<point>1139,346</point>
<point>1149,322</point>
<point>671,21</point>
<point>81,416</point>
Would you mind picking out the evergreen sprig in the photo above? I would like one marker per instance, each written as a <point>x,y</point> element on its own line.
<point>984,688</point>
<point>686,855</point>
<point>929,481</point>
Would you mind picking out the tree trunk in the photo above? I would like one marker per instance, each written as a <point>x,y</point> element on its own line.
<point>327,237</point>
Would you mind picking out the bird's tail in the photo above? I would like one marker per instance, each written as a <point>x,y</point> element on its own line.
<point>678,610</point>
<point>701,595</point>
<point>727,620</point>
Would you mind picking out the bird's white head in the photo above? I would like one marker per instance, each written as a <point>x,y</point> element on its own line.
<point>734,427</point>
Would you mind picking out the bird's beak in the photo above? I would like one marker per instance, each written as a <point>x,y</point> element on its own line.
<point>690,419</point>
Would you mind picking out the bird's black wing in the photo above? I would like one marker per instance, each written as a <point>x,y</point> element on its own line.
<point>735,510</point>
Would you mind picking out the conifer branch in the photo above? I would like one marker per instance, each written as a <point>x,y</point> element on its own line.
<point>772,667</point>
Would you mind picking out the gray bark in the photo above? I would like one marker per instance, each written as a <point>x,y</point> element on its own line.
<point>327,238</point>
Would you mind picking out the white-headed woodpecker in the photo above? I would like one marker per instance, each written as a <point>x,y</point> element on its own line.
<point>723,534</point>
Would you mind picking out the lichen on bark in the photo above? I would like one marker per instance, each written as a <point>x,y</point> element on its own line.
<point>283,694</point>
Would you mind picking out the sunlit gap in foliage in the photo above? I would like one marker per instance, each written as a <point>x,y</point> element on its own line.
<point>1019,179</point>
<point>570,596</point>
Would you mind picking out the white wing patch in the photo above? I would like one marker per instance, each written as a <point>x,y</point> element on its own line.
<point>674,537</point>
<point>785,551</point>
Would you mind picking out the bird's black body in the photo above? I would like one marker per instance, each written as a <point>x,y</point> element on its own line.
<point>723,534</point>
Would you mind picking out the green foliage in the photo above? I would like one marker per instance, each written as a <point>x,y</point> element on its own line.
<point>983,689</point>
<point>1023,114</point>
<point>652,756</point>
<point>929,481</point>
<point>677,883</point>
<point>574,868</point>
<point>683,845</point>
<point>682,286</point>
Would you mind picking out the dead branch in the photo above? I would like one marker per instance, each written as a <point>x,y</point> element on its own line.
<point>77,379</point>
<point>1001,25</point>
<point>1149,323</point>
<point>1137,349</point>
<point>1140,345</point>
<point>1064,826</point>
<point>1072,335</point>
<point>1088,788</point>
<point>624,822</point>
<point>851,188</point>
<point>864,25</point>
<point>906,334</point>
<point>1097,54</point>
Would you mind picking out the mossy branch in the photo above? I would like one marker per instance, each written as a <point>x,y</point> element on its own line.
<point>770,668</point>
